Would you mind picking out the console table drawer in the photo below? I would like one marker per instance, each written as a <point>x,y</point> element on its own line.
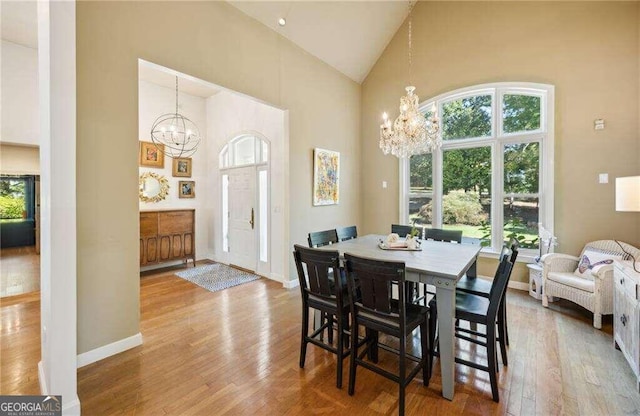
<point>628,279</point>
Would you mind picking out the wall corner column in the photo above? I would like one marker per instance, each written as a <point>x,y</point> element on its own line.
<point>57,89</point>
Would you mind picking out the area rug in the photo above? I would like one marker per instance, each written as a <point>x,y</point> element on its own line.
<point>214,277</point>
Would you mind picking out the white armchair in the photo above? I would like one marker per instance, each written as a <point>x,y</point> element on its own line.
<point>594,291</point>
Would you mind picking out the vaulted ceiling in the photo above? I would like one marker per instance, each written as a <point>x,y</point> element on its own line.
<point>348,35</point>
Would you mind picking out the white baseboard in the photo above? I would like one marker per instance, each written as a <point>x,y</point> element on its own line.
<point>519,285</point>
<point>41,379</point>
<point>290,284</point>
<point>71,408</point>
<point>512,283</point>
<point>275,276</point>
<point>108,350</point>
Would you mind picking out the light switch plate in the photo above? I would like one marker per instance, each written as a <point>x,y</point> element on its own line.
<point>384,184</point>
<point>603,178</point>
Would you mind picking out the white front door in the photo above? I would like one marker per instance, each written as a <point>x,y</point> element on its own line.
<point>242,217</point>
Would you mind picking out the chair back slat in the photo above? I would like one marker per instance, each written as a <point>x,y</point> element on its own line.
<point>317,270</point>
<point>318,277</point>
<point>498,288</point>
<point>347,233</point>
<point>438,234</point>
<point>322,238</point>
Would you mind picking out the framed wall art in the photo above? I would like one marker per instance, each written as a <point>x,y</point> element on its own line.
<point>187,189</point>
<point>182,167</point>
<point>326,177</point>
<point>151,155</point>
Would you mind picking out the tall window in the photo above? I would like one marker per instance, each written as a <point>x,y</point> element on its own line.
<point>17,198</point>
<point>493,176</point>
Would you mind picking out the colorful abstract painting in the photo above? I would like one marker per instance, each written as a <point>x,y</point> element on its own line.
<point>326,177</point>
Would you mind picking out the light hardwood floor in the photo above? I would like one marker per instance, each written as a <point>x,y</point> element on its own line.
<point>235,352</point>
<point>19,271</point>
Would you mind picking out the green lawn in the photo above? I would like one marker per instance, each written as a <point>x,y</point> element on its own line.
<point>5,220</point>
<point>475,231</point>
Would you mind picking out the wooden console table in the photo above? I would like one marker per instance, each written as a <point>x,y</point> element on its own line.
<point>167,235</point>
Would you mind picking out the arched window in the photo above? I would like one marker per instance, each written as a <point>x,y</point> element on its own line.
<point>493,176</point>
<point>244,150</point>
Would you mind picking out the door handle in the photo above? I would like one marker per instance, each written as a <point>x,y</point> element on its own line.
<point>251,221</point>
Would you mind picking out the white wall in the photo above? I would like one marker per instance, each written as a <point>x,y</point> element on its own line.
<point>19,100</point>
<point>155,100</point>
<point>19,160</point>
<point>228,116</point>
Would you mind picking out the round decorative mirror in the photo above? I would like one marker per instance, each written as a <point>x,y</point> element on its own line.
<point>153,187</point>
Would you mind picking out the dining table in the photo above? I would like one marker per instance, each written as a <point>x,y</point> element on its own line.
<point>440,264</point>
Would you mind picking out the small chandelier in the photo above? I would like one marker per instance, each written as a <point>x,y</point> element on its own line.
<point>174,134</point>
<point>412,133</point>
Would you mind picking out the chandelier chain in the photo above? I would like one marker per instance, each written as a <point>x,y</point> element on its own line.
<point>410,41</point>
<point>176,95</point>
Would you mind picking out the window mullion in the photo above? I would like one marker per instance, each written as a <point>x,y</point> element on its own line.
<point>497,214</point>
<point>405,190</point>
<point>436,215</point>
<point>436,219</point>
<point>496,113</point>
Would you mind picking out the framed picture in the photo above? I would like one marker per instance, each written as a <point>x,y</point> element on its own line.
<point>326,177</point>
<point>187,189</point>
<point>182,167</point>
<point>151,155</point>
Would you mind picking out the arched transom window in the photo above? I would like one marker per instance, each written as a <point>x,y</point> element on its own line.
<point>244,150</point>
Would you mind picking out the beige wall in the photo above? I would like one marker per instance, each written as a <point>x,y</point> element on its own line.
<point>215,42</point>
<point>587,50</point>
<point>19,160</point>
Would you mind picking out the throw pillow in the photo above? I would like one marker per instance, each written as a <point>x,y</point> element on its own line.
<point>593,259</point>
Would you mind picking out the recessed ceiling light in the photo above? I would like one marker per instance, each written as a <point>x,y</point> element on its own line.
<point>282,21</point>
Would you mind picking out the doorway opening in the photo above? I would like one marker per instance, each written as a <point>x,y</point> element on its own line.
<point>239,172</point>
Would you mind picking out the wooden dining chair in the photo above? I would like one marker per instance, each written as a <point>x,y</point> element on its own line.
<point>480,310</point>
<point>347,233</point>
<point>327,295</point>
<point>377,312</point>
<point>322,238</point>
<point>438,234</point>
<point>403,230</point>
<point>481,287</point>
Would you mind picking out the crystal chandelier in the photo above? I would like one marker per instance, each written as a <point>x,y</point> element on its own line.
<point>174,134</point>
<point>412,133</point>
